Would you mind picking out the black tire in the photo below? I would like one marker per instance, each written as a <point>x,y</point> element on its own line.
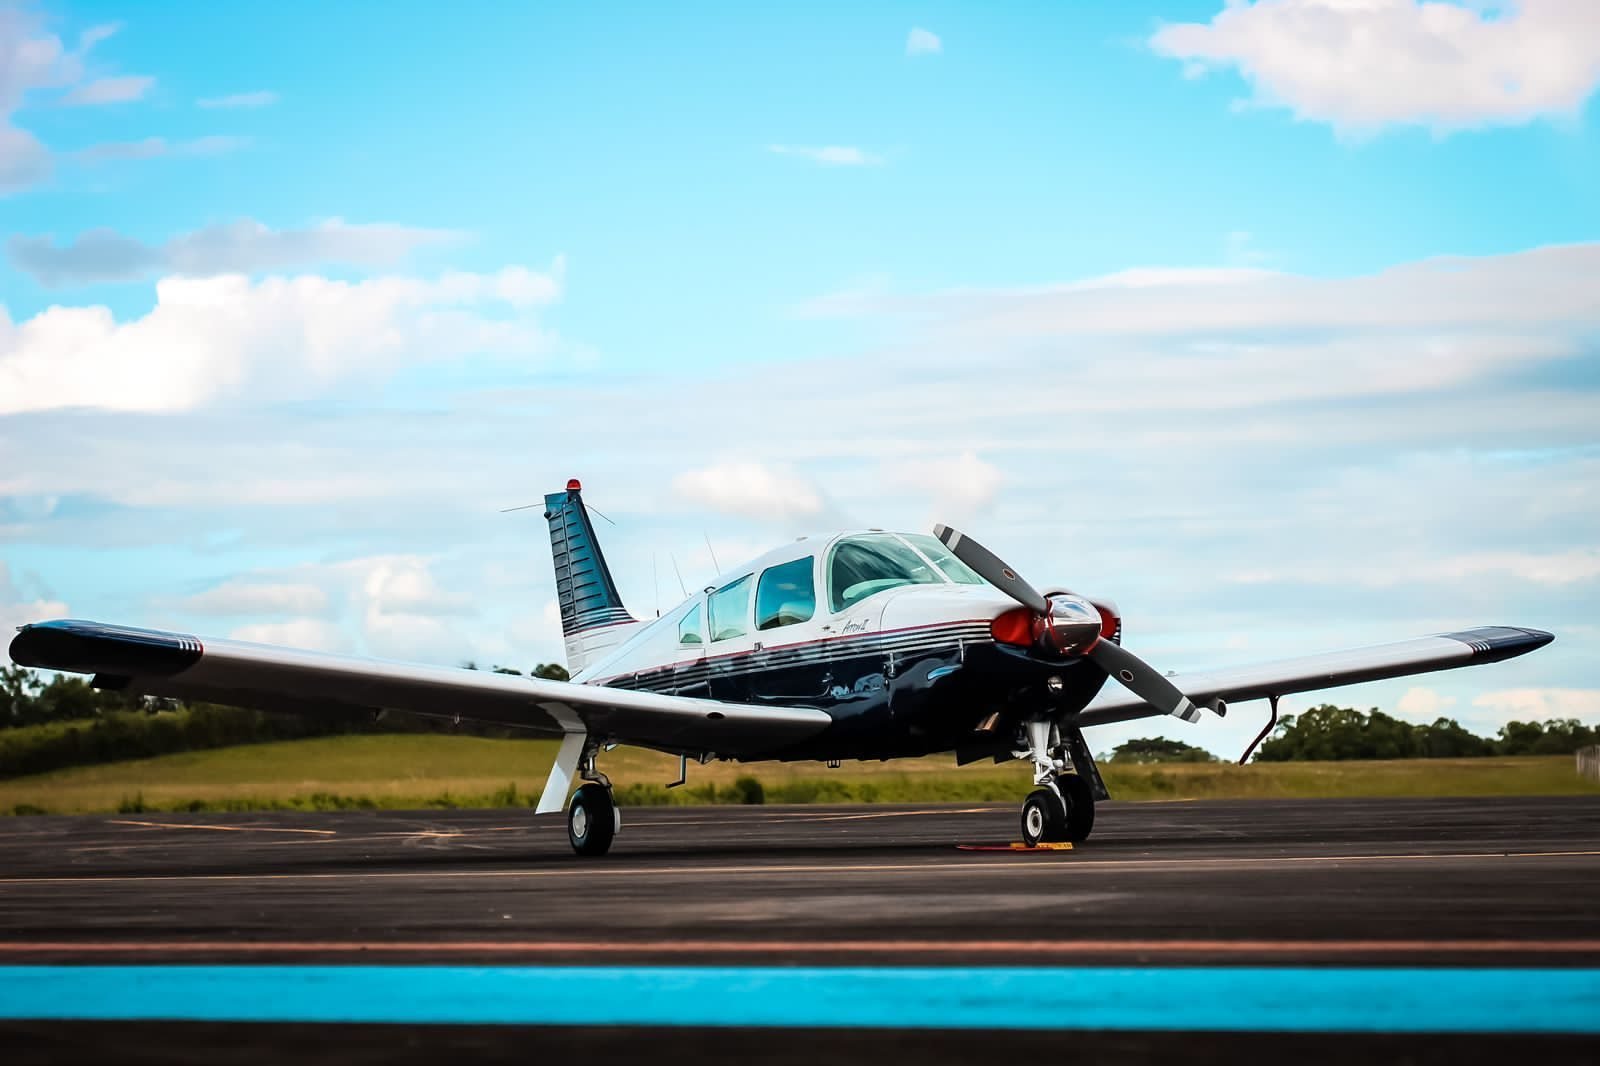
<point>592,820</point>
<point>1043,818</point>
<point>1079,798</point>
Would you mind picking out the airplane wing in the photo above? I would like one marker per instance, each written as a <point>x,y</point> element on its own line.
<point>1328,670</point>
<point>269,678</point>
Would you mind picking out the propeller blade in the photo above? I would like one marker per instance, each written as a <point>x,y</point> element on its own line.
<point>1143,680</point>
<point>990,567</point>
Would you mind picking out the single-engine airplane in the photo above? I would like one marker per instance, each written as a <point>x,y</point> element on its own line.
<point>862,645</point>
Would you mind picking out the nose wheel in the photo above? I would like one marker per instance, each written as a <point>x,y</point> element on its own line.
<point>1060,813</point>
<point>1061,810</point>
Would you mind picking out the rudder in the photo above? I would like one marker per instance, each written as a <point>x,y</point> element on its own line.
<point>593,619</point>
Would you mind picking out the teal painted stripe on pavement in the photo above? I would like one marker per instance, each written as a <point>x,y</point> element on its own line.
<point>1188,998</point>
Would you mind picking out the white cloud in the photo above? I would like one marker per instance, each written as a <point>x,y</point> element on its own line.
<point>832,155</point>
<point>245,247</point>
<point>1364,64</point>
<point>158,147</point>
<point>1540,704</point>
<point>312,634</point>
<point>16,611</point>
<point>259,98</point>
<point>109,91</point>
<point>24,161</point>
<point>1423,704</point>
<point>921,42</point>
<point>33,61</point>
<point>240,597</point>
<point>959,487</point>
<point>750,490</point>
<point>209,339</point>
<point>1572,566</point>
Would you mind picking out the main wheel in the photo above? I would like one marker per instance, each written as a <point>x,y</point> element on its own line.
<point>1080,807</point>
<point>592,820</point>
<point>1043,818</point>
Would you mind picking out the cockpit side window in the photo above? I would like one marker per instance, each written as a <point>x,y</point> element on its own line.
<point>786,593</point>
<point>730,609</point>
<point>689,629</point>
<point>861,566</point>
<point>953,568</point>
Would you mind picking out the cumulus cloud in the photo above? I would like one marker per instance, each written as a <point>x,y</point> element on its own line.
<point>921,42</point>
<point>109,91</point>
<point>312,634</point>
<point>1423,704</point>
<point>244,247</point>
<point>211,338</point>
<point>244,597</point>
<point>1364,64</point>
<point>33,61</point>
<point>1541,704</point>
<point>236,101</point>
<point>750,490</point>
<point>831,155</point>
<point>18,609</point>
<point>959,487</point>
<point>392,605</point>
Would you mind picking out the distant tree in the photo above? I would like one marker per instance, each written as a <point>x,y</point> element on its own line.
<point>1559,736</point>
<point>507,670</point>
<point>552,672</point>
<point>19,688</point>
<point>1446,739</point>
<point>1159,749</point>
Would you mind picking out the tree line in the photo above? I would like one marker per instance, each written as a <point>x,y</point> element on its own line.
<point>1327,733</point>
<point>51,722</point>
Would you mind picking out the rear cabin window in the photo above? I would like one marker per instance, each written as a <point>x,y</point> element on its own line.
<point>730,609</point>
<point>786,594</point>
<point>689,628</point>
<point>861,566</point>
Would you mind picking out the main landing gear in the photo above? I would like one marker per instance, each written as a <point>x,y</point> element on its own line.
<point>1061,810</point>
<point>593,819</point>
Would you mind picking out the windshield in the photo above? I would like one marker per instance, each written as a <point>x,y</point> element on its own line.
<point>953,568</point>
<point>861,566</point>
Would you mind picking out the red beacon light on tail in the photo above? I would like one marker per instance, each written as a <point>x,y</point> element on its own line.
<point>573,485</point>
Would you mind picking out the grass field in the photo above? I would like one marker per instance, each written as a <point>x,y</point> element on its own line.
<point>404,771</point>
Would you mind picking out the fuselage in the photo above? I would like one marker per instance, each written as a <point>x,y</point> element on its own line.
<point>888,633</point>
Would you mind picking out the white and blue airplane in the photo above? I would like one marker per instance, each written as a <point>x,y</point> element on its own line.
<point>860,645</point>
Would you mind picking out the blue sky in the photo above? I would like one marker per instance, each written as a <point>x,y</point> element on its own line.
<point>1275,322</point>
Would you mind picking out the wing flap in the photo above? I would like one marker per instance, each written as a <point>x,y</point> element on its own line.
<point>1352,666</point>
<point>270,678</point>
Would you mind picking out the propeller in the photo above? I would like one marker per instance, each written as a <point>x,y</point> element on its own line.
<point>1136,675</point>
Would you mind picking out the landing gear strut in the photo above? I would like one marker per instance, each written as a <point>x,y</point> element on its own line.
<point>1061,810</point>
<point>593,819</point>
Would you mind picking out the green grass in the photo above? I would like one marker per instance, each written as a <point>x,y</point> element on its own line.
<point>402,771</point>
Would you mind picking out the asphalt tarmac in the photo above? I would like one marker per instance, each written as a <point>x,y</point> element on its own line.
<point>1453,883</point>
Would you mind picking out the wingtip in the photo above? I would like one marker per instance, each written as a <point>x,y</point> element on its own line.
<point>1493,643</point>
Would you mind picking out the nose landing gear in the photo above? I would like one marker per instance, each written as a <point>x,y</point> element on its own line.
<point>1062,809</point>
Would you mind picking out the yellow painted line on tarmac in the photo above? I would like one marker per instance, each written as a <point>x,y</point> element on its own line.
<point>634,870</point>
<point>222,828</point>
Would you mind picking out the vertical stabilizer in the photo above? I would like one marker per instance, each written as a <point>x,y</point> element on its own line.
<point>593,619</point>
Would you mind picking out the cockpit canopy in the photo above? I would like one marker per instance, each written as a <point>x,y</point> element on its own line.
<point>868,563</point>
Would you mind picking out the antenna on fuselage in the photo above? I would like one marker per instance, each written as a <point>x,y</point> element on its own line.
<point>714,564</point>
<point>655,582</point>
<point>681,586</point>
